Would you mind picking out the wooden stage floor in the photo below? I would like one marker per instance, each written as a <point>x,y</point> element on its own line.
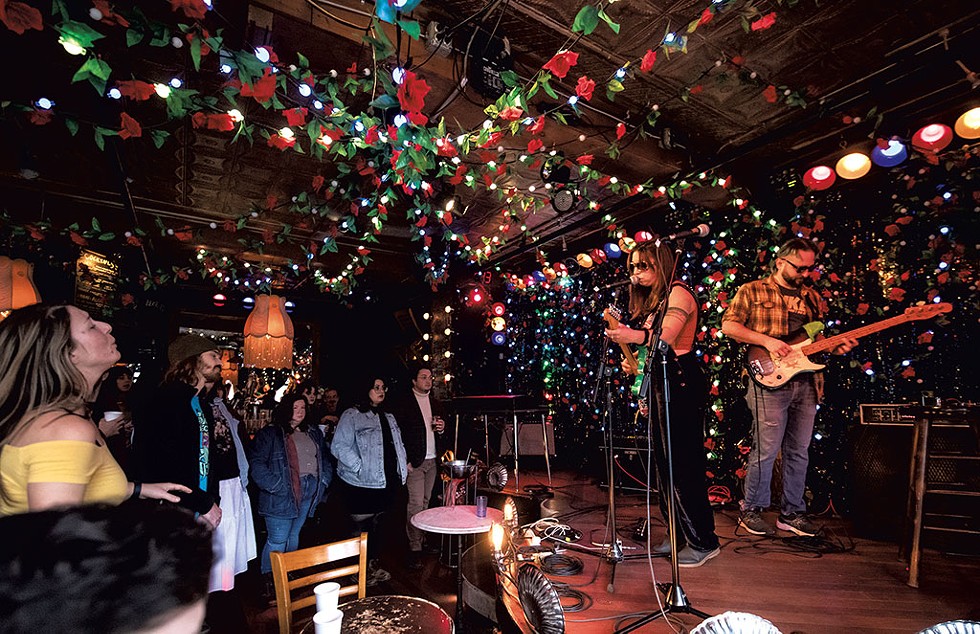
<point>788,581</point>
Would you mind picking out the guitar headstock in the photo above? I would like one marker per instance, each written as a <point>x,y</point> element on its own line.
<point>926,311</point>
<point>613,316</point>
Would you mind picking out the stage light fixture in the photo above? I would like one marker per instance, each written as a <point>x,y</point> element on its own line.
<point>853,165</point>
<point>935,137</point>
<point>498,338</point>
<point>584,260</point>
<point>819,178</point>
<point>894,154</point>
<point>498,324</point>
<point>968,124</point>
<point>612,250</point>
<point>498,309</point>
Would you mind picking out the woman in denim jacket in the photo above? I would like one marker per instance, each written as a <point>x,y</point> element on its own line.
<point>292,471</point>
<point>372,467</point>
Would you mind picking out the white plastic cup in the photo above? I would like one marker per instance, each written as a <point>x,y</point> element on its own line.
<point>327,596</point>
<point>328,621</point>
<point>111,416</point>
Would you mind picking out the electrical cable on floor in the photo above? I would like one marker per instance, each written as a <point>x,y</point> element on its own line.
<point>561,565</point>
<point>580,601</point>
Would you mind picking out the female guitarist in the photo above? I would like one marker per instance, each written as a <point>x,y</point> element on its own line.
<point>650,266</point>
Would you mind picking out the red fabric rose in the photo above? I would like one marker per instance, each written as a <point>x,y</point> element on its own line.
<point>295,116</point>
<point>862,309</point>
<point>412,92</point>
<point>537,126</point>
<point>135,89</point>
<point>534,145</point>
<point>925,337</point>
<point>892,230</point>
<point>584,87</point>
<point>263,88</point>
<point>458,177</point>
<point>280,142</point>
<point>19,17</point>
<point>560,64</point>
<point>646,65</point>
<point>706,16</point>
<point>317,183</point>
<point>222,122</point>
<point>696,90</point>
<point>896,294</point>
<point>41,117</point>
<point>108,15</point>
<point>511,113</point>
<point>194,9</point>
<point>764,22</point>
<point>620,130</point>
<point>129,127</point>
<point>770,93</point>
<point>445,147</point>
<point>585,159</point>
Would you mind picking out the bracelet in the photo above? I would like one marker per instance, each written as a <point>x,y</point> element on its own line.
<point>137,488</point>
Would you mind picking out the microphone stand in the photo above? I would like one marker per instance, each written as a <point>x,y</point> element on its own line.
<point>675,599</point>
<point>613,552</point>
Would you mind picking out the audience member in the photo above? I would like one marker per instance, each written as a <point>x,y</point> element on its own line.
<point>330,415</point>
<point>419,416</point>
<point>96,569</point>
<point>51,453</point>
<point>177,425</point>
<point>292,473</point>
<point>117,429</point>
<point>234,539</point>
<point>371,465</point>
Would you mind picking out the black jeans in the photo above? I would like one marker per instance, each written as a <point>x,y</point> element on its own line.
<point>688,399</point>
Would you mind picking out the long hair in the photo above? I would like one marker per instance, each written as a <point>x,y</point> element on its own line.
<point>110,396</point>
<point>644,299</point>
<point>282,415</point>
<point>184,371</point>
<point>37,373</point>
<point>363,402</point>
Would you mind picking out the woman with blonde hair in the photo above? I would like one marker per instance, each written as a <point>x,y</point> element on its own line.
<point>651,269</point>
<point>51,453</point>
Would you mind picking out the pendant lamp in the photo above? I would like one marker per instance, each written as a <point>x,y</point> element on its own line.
<point>16,285</point>
<point>269,334</point>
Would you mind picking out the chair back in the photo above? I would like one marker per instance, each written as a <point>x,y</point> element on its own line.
<point>292,572</point>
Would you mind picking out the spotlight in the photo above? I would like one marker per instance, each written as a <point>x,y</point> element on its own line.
<point>498,338</point>
<point>853,165</point>
<point>819,178</point>
<point>498,309</point>
<point>932,137</point>
<point>894,154</point>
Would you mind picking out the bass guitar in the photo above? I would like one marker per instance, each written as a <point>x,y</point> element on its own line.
<point>771,371</point>
<point>634,362</point>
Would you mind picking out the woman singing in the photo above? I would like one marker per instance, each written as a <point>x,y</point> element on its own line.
<point>651,265</point>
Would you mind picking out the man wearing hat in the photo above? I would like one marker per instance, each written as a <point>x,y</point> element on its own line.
<point>176,428</point>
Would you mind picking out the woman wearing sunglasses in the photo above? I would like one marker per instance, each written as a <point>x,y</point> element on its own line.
<point>372,467</point>
<point>651,265</point>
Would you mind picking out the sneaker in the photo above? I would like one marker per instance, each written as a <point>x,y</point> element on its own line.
<point>691,558</point>
<point>663,548</point>
<point>751,520</point>
<point>797,523</point>
<point>376,574</point>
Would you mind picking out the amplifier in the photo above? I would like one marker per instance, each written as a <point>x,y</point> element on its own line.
<point>886,414</point>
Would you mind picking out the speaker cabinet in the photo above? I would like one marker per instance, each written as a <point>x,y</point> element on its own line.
<point>879,479</point>
<point>529,439</point>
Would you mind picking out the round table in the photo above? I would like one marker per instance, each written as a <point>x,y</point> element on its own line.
<point>456,520</point>
<point>391,614</point>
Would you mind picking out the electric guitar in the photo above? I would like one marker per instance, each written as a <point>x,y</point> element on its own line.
<point>770,371</point>
<point>634,362</point>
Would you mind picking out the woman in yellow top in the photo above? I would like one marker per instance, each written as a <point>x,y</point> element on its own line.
<point>51,454</point>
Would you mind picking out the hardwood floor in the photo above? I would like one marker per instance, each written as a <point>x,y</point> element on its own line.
<point>839,584</point>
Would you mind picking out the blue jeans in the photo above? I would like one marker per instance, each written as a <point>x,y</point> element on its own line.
<point>284,531</point>
<point>782,420</point>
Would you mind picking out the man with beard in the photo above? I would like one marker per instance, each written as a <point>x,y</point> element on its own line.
<point>177,425</point>
<point>765,313</point>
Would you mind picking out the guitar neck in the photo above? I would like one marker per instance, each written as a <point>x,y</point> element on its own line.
<point>627,353</point>
<point>832,342</point>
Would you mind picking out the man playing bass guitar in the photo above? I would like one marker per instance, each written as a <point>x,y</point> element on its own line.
<point>764,313</point>
<point>650,265</point>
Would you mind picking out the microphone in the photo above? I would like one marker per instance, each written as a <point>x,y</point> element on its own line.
<point>700,231</point>
<point>632,280</point>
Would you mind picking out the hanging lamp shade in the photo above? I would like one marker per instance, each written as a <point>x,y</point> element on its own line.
<point>934,137</point>
<point>819,178</point>
<point>853,165</point>
<point>269,334</point>
<point>894,154</point>
<point>16,285</point>
<point>584,260</point>
<point>968,125</point>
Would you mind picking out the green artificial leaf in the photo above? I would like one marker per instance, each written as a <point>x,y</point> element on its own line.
<point>612,25</point>
<point>84,35</point>
<point>384,102</point>
<point>58,7</point>
<point>613,151</point>
<point>72,126</point>
<point>545,82</point>
<point>615,85</point>
<point>96,226</point>
<point>302,61</point>
<point>586,20</point>
<point>99,139</point>
<point>561,118</point>
<point>159,137</point>
<point>196,53</point>
<point>411,27</point>
<point>105,237</point>
<point>134,37</point>
<point>509,78</point>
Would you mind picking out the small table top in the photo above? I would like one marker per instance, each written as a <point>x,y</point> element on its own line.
<point>456,520</point>
<point>392,614</point>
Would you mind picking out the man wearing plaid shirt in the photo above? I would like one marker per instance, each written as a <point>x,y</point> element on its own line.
<point>763,313</point>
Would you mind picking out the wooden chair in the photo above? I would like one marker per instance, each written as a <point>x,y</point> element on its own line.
<point>316,557</point>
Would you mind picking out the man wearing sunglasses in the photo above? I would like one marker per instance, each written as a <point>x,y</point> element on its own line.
<point>765,313</point>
